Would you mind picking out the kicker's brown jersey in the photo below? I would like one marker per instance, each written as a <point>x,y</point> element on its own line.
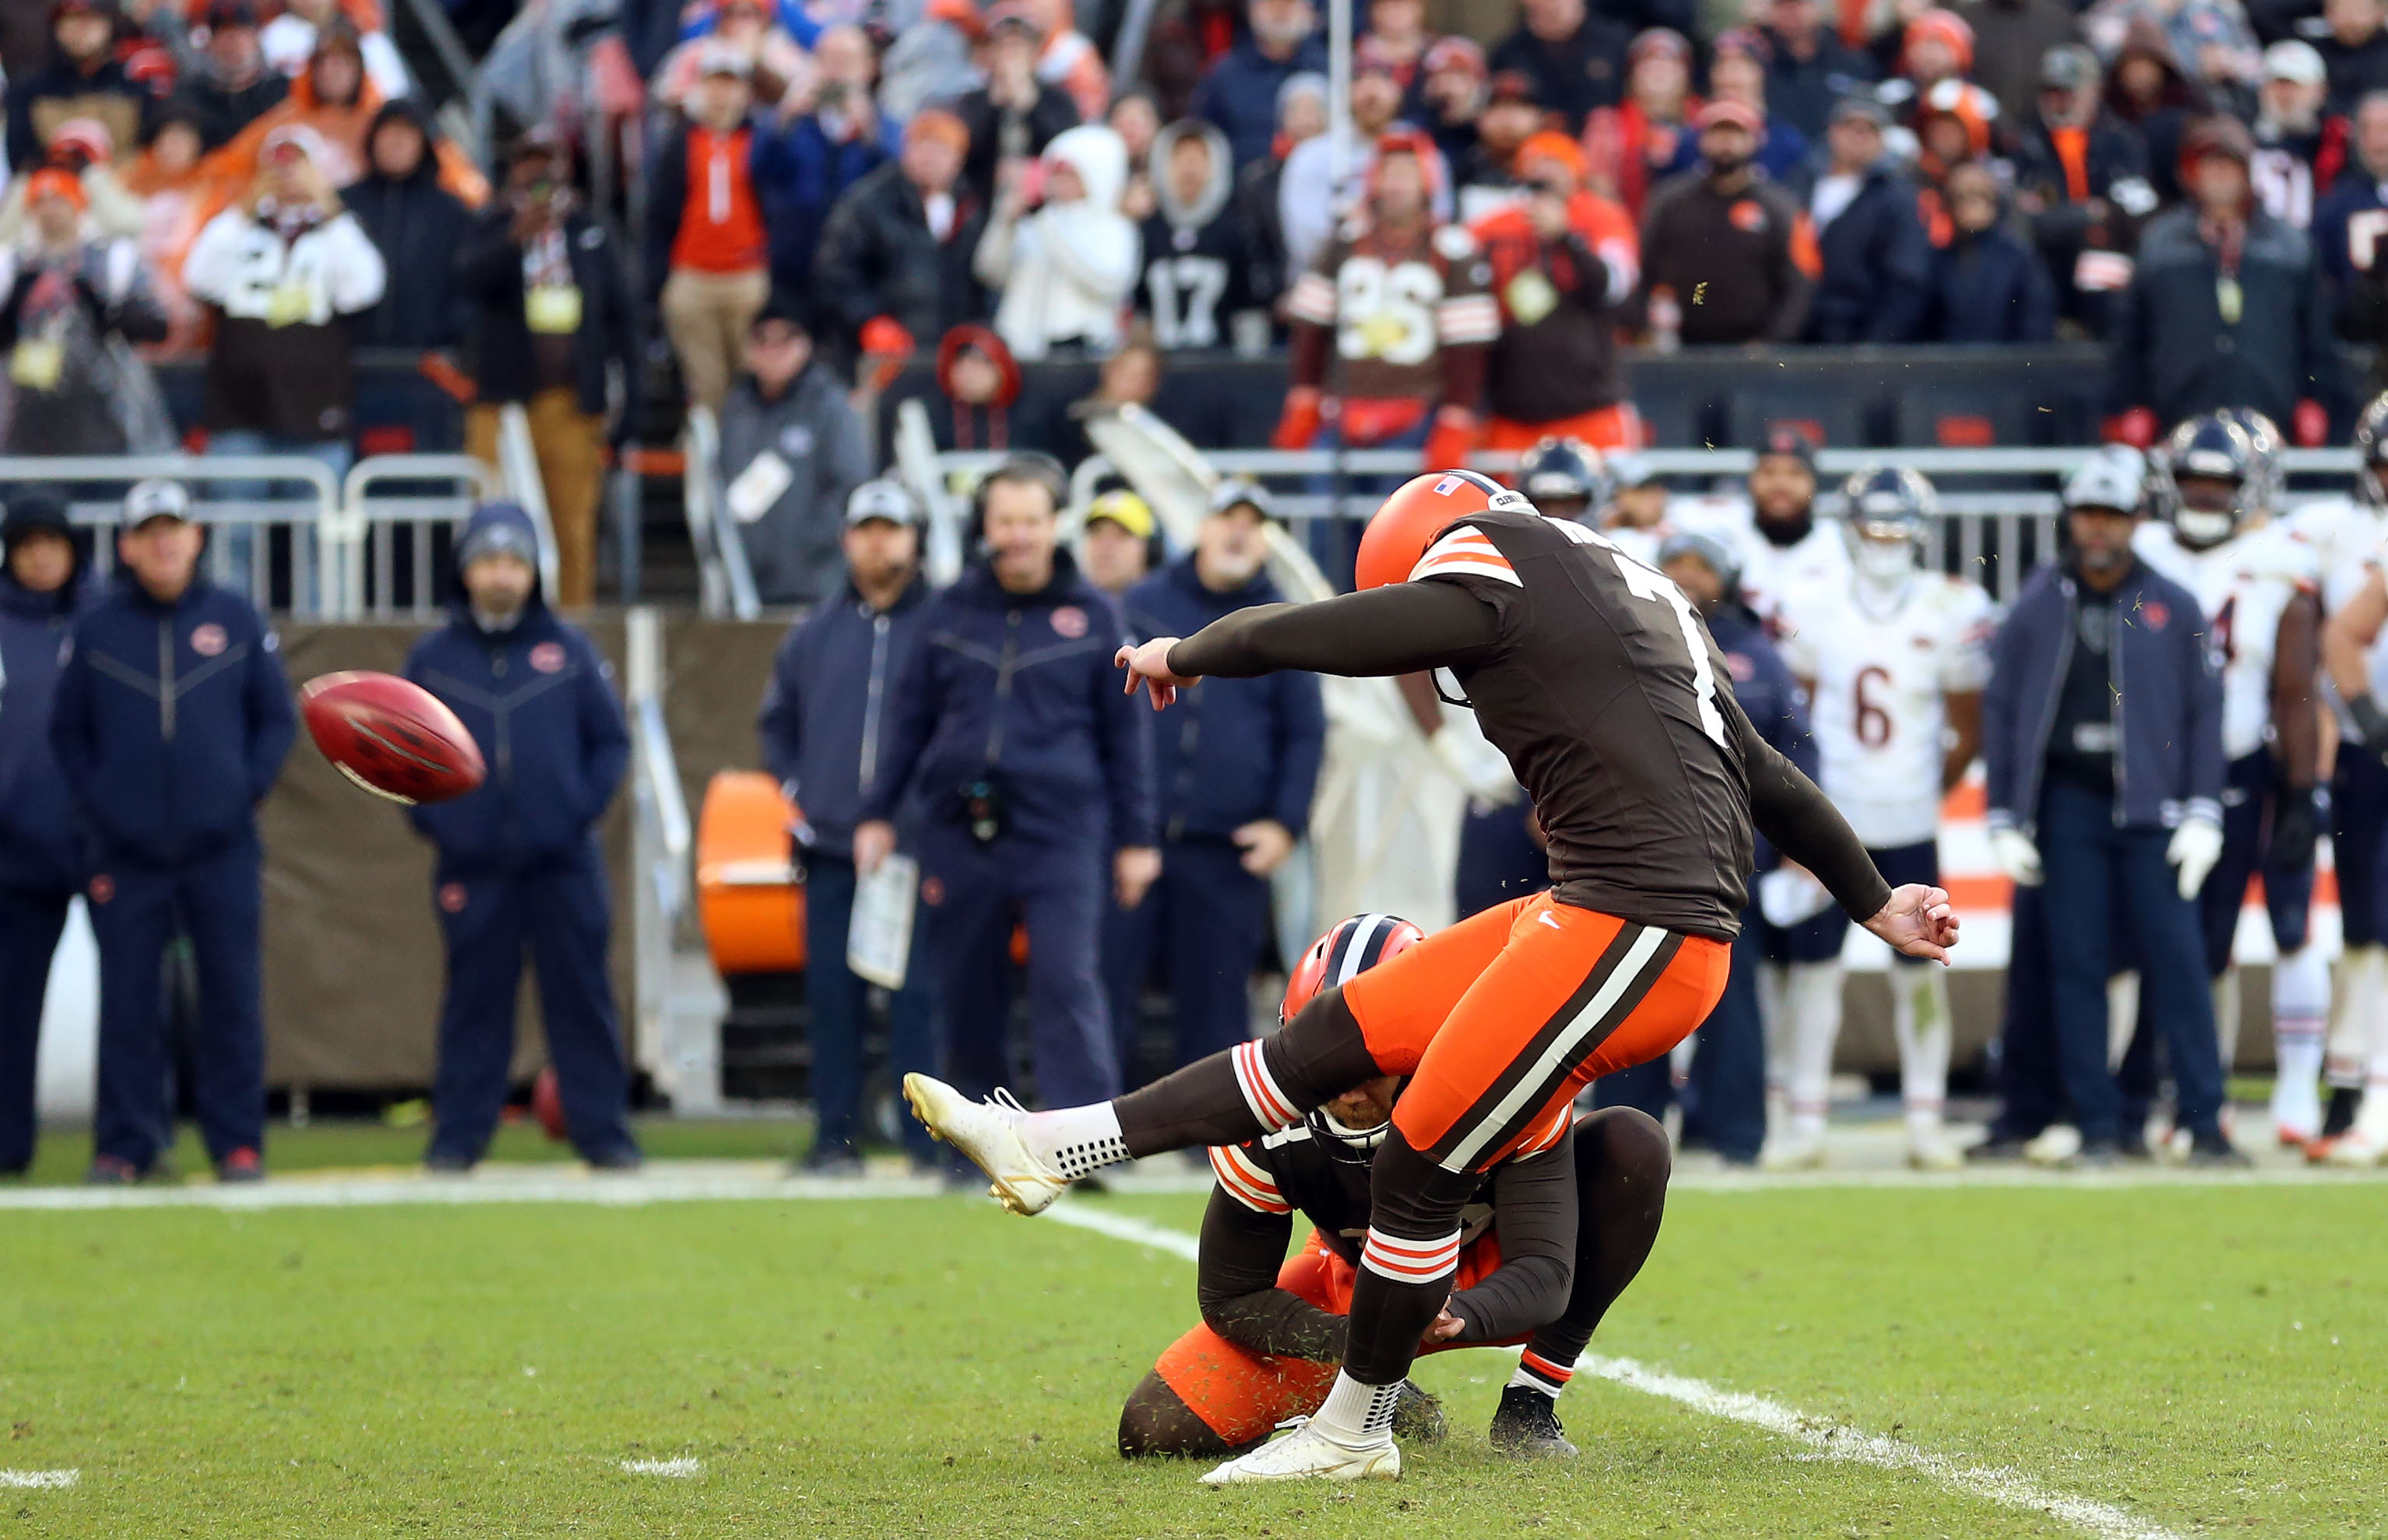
<point>1597,678</point>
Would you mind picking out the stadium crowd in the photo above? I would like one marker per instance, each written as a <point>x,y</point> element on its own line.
<point>819,195</point>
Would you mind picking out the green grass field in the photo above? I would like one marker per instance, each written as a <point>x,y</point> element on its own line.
<point>2205,1357</point>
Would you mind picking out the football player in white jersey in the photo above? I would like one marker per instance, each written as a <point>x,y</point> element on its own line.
<point>1894,663</point>
<point>2260,585</point>
<point>2346,535</point>
<point>1783,547</point>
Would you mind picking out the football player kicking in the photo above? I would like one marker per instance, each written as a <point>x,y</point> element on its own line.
<point>1894,663</point>
<point>1586,1210</point>
<point>2346,533</point>
<point>2259,585</point>
<point>1594,677</point>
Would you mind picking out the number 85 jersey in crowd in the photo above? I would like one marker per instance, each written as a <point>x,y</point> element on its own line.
<point>1880,668</point>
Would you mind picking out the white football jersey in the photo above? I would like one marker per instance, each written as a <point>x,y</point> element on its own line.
<point>2346,538</point>
<point>1881,687</point>
<point>1771,575</point>
<point>2244,585</point>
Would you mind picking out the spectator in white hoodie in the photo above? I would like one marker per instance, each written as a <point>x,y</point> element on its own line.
<point>1061,251</point>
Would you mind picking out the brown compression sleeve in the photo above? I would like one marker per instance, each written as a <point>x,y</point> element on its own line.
<point>1400,628</point>
<point>1535,1213</point>
<point>1789,810</point>
<point>1242,1252</point>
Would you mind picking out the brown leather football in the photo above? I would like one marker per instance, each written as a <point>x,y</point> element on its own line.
<point>390,736</point>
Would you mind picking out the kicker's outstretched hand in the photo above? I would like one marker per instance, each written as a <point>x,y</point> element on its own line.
<point>1149,666</point>
<point>1918,922</point>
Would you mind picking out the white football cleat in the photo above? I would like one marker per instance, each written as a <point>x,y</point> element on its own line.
<point>1933,1151</point>
<point>2356,1148</point>
<point>1305,1453</point>
<point>2054,1145</point>
<point>988,1132</point>
<point>1792,1152</point>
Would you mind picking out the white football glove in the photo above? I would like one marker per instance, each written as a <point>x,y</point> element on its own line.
<point>2195,846</point>
<point>2017,856</point>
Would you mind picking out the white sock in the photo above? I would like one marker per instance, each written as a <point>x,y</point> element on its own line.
<point>2121,1016</point>
<point>1075,1141</point>
<point>1355,1414</point>
<point>1919,1019</point>
<point>2300,1009</point>
<point>2225,1017</point>
<point>2355,1007</point>
<point>1536,1372</point>
<point>1811,1001</point>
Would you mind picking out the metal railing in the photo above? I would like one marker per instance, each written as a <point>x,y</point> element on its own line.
<point>725,582</point>
<point>374,526</point>
<point>518,470</point>
<point>1998,506</point>
<point>662,843</point>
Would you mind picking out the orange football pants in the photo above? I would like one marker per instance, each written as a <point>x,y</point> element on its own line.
<point>1618,427</point>
<point>1240,1395</point>
<point>1501,1019</point>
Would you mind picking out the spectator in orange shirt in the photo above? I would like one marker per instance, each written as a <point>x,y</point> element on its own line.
<point>1563,259</point>
<point>1629,149</point>
<point>708,258</point>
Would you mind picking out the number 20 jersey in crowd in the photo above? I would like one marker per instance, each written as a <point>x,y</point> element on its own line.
<point>1615,710</point>
<point>1882,666</point>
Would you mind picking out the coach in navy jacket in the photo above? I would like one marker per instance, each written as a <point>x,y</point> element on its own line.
<point>41,589</point>
<point>2101,730</point>
<point>1032,773</point>
<point>170,725</point>
<point>1236,775</point>
<point>824,729</point>
<point>518,862</point>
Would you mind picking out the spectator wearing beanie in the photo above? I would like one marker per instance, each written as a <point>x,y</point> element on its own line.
<point>82,79</point>
<point>418,226</point>
<point>1630,148</point>
<point>830,139</point>
<point>64,296</point>
<point>2081,186</point>
<point>43,588</point>
<point>2223,310</point>
<point>1066,269</point>
<point>1877,259</point>
<point>792,452</point>
<point>1576,57</point>
<point>1726,234</point>
<point>1014,116</point>
<point>901,241</point>
<point>1563,262</point>
<point>2010,38</point>
<point>550,312</point>
<point>2297,152</point>
<point>233,85</point>
<point>1241,92</point>
<point>1809,67</point>
<point>708,256</point>
<point>1985,284</point>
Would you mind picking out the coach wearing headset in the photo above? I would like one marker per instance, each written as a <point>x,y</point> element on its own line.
<point>1034,773</point>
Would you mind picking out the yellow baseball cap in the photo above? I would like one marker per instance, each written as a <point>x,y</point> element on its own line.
<point>1125,509</point>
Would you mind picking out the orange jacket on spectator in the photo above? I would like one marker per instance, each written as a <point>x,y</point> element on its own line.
<point>232,168</point>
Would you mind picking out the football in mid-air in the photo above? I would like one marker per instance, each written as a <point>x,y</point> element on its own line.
<point>390,736</point>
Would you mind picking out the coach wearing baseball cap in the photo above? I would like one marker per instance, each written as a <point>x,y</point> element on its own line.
<point>519,867</point>
<point>824,732</point>
<point>172,719</point>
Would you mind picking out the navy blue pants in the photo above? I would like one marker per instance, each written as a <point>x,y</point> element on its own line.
<point>975,895</point>
<point>1724,1100</point>
<point>2092,867</point>
<point>30,924</point>
<point>1208,919</point>
<point>2246,850</point>
<point>560,914</point>
<point>135,913</point>
<point>837,1007</point>
<point>2031,1079</point>
<point>2358,817</point>
<point>1498,859</point>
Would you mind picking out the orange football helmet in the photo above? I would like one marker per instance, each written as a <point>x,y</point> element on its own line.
<point>1421,509</point>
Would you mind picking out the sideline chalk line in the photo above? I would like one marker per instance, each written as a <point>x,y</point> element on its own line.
<point>1827,1439</point>
<point>47,1481</point>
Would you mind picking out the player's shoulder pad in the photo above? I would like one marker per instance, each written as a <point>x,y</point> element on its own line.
<point>1454,243</point>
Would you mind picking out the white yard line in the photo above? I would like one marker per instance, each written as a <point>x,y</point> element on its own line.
<point>682,1469</point>
<point>48,1481</point>
<point>695,1181</point>
<point>1826,1439</point>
